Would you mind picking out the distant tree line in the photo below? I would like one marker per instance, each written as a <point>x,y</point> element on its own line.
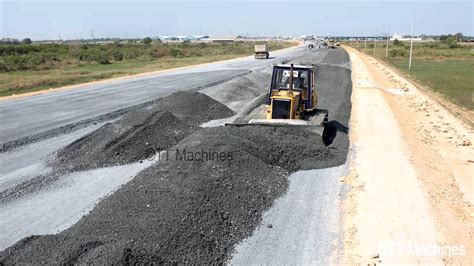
<point>457,37</point>
<point>15,41</point>
<point>27,56</point>
<point>448,45</point>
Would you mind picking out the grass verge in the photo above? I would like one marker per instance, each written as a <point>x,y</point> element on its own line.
<point>72,72</point>
<point>443,70</point>
<point>454,79</point>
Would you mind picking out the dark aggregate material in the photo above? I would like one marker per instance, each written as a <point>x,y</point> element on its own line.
<point>193,211</point>
<point>140,132</point>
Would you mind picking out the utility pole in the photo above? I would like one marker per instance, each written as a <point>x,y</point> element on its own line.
<point>365,43</point>
<point>411,43</point>
<point>386,48</point>
<point>375,38</point>
<point>92,36</point>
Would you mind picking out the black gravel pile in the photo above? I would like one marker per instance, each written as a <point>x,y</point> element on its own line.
<point>193,107</point>
<point>185,208</point>
<point>136,135</point>
<point>243,88</point>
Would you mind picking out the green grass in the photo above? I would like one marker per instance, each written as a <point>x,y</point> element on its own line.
<point>448,71</point>
<point>70,71</point>
<point>452,78</point>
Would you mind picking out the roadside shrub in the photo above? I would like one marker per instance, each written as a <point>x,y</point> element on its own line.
<point>102,58</point>
<point>451,42</point>
<point>15,62</point>
<point>432,45</point>
<point>17,49</point>
<point>93,54</point>
<point>160,51</point>
<point>34,60</point>
<point>398,52</point>
<point>147,40</point>
<point>203,45</point>
<point>117,55</point>
<point>454,45</point>
<point>3,66</point>
<point>195,53</point>
<point>185,44</point>
<point>145,57</point>
<point>399,43</point>
<point>176,52</point>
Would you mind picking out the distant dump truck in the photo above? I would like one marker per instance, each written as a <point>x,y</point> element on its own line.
<point>261,51</point>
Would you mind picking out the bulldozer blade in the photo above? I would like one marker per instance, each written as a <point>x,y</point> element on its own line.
<point>317,129</point>
<point>314,122</point>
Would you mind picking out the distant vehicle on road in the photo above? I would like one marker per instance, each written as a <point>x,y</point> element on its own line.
<point>261,51</point>
<point>331,44</point>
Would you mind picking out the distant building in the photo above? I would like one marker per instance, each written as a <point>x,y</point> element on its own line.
<point>307,37</point>
<point>180,38</point>
<point>400,37</point>
<point>224,39</point>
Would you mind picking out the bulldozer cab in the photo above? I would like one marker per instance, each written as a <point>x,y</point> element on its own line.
<point>291,101</point>
<point>302,78</point>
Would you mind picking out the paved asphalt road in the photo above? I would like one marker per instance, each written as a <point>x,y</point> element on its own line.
<point>33,115</point>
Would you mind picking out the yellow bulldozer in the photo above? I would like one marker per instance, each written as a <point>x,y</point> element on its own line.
<point>292,100</point>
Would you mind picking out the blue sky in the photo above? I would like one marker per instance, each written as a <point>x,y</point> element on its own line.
<point>77,19</point>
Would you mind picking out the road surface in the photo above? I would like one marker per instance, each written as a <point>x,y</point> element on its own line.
<point>29,116</point>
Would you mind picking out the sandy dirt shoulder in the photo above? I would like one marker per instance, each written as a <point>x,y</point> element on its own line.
<point>411,180</point>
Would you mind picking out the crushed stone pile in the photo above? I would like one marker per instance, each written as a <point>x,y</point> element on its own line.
<point>239,91</point>
<point>131,138</point>
<point>186,209</point>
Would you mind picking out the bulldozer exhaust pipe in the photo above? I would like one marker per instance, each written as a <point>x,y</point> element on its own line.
<point>290,82</point>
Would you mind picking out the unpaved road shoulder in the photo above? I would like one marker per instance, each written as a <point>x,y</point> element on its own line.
<point>412,187</point>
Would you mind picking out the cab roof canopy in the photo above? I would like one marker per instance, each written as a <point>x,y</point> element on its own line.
<point>294,66</point>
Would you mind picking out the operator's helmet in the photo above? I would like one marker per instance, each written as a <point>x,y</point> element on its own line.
<point>303,75</point>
